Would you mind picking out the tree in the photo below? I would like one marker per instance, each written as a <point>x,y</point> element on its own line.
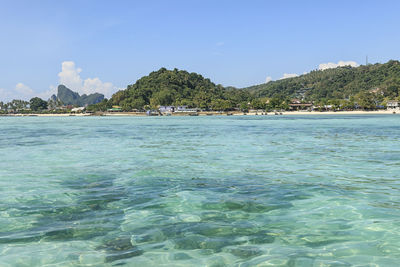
<point>138,103</point>
<point>101,106</point>
<point>365,100</point>
<point>176,87</point>
<point>335,103</point>
<point>258,104</point>
<point>392,87</point>
<point>276,102</point>
<point>37,104</point>
<point>221,105</point>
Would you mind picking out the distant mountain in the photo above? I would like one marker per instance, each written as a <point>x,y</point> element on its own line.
<point>337,83</point>
<point>69,97</point>
<point>53,98</point>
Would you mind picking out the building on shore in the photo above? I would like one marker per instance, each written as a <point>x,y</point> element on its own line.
<point>78,110</point>
<point>115,109</point>
<point>297,104</point>
<point>392,104</point>
<point>186,109</point>
<point>166,109</point>
<point>177,109</point>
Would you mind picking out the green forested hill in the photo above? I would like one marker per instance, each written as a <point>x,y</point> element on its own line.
<point>177,87</point>
<point>338,83</point>
<point>367,86</point>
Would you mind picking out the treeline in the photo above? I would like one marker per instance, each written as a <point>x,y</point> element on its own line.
<point>21,106</point>
<point>337,83</point>
<point>366,87</point>
<point>175,87</point>
<point>346,88</point>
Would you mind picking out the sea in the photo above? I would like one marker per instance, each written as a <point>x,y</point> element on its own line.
<point>200,191</point>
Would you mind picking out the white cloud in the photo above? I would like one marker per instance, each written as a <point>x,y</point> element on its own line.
<point>70,77</point>
<point>96,85</point>
<point>23,90</point>
<point>331,65</point>
<point>268,79</point>
<point>288,75</point>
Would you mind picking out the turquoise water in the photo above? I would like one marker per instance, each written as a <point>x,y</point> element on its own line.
<point>200,191</point>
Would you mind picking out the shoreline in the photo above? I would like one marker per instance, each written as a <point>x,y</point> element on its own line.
<point>355,112</point>
<point>283,113</point>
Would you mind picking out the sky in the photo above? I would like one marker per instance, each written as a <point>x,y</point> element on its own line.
<point>103,46</point>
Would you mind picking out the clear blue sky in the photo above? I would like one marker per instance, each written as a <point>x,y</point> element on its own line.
<point>237,43</point>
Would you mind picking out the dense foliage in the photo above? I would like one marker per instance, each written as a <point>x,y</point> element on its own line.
<point>175,87</point>
<point>337,83</point>
<point>14,105</point>
<point>364,87</point>
<point>37,104</point>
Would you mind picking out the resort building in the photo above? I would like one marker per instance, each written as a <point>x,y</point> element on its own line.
<point>182,109</point>
<point>114,109</point>
<point>77,110</point>
<point>297,104</point>
<point>392,104</point>
<point>166,109</point>
<point>186,109</point>
<point>300,106</point>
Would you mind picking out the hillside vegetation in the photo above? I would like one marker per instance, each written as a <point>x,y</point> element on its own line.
<point>343,88</point>
<point>176,87</point>
<point>363,87</point>
<point>338,83</point>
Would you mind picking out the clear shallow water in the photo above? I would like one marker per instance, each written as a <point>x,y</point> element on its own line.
<point>204,191</point>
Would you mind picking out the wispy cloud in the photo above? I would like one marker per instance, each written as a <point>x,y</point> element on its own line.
<point>288,75</point>
<point>20,91</point>
<point>23,90</point>
<point>331,65</point>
